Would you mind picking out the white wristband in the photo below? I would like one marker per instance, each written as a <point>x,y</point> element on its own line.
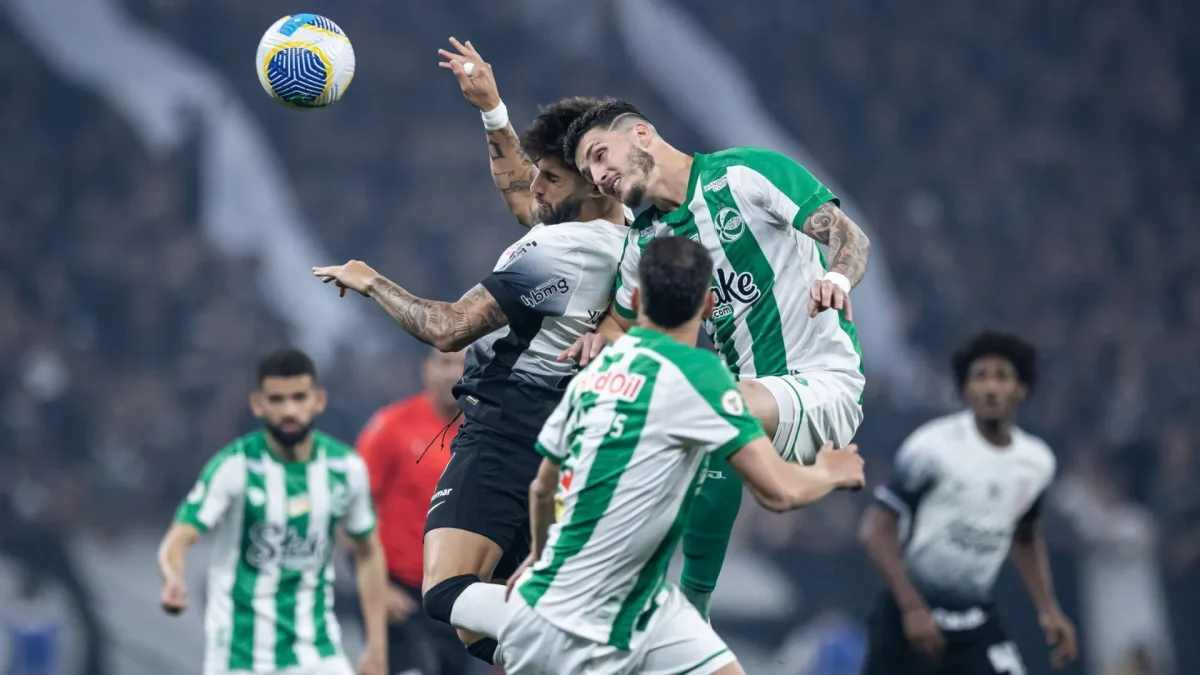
<point>495,119</point>
<point>838,280</point>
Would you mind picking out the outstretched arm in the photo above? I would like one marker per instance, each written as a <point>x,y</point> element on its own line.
<point>848,245</point>
<point>448,326</point>
<point>512,172</point>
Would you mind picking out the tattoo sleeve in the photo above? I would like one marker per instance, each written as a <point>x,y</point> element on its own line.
<point>848,244</point>
<point>512,172</point>
<point>449,326</point>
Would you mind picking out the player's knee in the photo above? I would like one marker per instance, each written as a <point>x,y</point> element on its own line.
<point>440,598</point>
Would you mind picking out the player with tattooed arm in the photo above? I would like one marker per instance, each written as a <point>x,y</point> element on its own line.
<point>760,215</point>
<point>551,286</point>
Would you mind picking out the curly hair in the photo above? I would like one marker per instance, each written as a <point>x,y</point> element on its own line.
<point>1021,354</point>
<point>544,137</point>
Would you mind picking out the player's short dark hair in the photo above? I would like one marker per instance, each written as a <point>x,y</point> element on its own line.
<point>543,139</point>
<point>1021,354</point>
<point>674,276</point>
<point>602,115</point>
<point>286,362</point>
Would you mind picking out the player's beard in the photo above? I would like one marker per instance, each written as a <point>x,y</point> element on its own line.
<point>288,439</point>
<point>566,211</point>
<point>641,162</point>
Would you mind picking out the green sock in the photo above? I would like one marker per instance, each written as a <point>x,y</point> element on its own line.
<point>706,537</point>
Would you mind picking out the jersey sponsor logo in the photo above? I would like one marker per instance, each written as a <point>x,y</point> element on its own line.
<point>595,315</point>
<point>441,493</point>
<point>272,544</point>
<point>197,493</point>
<point>717,185</point>
<point>515,251</point>
<point>730,287</point>
<point>732,403</point>
<point>298,506</point>
<point>977,540</point>
<point>625,386</point>
<point>729,224</point>
<point>545,291</point>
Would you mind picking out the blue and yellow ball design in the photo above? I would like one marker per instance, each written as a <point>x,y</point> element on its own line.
<point>305,61</point>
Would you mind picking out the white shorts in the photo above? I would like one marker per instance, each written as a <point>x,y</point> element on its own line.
<point>337,665</point>
<point>676,641</point>
<point>814,408</point>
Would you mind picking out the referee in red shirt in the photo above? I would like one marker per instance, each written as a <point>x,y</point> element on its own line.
<point>391,444</point>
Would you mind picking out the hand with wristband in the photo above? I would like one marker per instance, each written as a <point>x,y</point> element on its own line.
<point>830,292</point>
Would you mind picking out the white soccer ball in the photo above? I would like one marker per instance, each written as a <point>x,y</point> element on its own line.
<point>305,61</point>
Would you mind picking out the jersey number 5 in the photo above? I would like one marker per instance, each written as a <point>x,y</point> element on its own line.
<point>1005,658</point>
<point>618,425</point>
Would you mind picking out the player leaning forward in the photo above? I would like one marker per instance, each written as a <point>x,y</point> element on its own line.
<point>638,427</point>
<point>273,499</point>
<point>760,215</point>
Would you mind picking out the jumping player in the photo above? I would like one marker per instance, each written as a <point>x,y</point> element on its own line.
<point>966,493</point>
<point>546,290</point>
<point>637,428</point>
<point>760,215</point>
<point>273,498</point>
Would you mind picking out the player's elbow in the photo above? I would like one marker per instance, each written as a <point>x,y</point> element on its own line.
<point>448,344</point>
<point>772,497</point>
<point>875,525</point>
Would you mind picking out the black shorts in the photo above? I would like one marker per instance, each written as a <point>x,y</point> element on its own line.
<point>485,490</point>
<point>981,650</point>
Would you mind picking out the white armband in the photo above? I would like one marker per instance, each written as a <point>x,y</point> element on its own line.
<point>495,119</point>
<point>838,280</point>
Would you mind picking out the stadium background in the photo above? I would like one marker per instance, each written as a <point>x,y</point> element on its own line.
<point>1022,164</point>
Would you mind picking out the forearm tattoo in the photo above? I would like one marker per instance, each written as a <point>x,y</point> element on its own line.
<point>449,326</point>
<point>512,171</point>
<point>849,246</point>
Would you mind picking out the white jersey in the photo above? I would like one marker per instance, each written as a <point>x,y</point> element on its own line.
<point>554,284</point>
<point>747,206</point>
<point>270,579</point>
<point>632,434</point>
<point>961,499</point>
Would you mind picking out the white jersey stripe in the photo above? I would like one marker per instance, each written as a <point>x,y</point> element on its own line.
<point>267,583</point>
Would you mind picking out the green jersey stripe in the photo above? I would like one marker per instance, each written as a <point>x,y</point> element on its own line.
<point>298,507</point>
<point>241,648</point>
<point>746,256</point>
<point>635,610</point>
<point>612,457</point>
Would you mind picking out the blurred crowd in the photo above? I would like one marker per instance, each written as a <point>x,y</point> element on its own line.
<point>1026,165</point>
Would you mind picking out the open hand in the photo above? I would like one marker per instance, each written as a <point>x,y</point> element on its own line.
<point>355,275</point>
<point>586,348</point>
<point>479,85</point>
<point>823,295</point>
<point>843,465</point>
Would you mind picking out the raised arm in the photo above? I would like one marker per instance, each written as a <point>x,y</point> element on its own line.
<point>512,172</point>
<point>849,246</point>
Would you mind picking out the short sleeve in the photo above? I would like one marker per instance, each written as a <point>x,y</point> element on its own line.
<point>221,482</point>
<point>914,473</point>
<point>640,234</point>
<point>359,520</point>
<point>539,276</point>
<point>780,186</point>
<point>719,419</point>
<point>551,442</point>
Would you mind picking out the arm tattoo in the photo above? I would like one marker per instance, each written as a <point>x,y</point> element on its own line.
<point>512,172</point>
<point>449,326</point>
<point>848,245</point>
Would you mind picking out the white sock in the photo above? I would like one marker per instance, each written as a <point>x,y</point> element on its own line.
<point>481,608</point>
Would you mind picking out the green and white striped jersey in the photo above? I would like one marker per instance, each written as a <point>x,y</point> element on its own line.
<point>270,579</point>
<point>633,435</point>
<point>746,206</point>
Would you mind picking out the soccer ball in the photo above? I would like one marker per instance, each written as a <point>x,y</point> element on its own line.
<point>305,61</point>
